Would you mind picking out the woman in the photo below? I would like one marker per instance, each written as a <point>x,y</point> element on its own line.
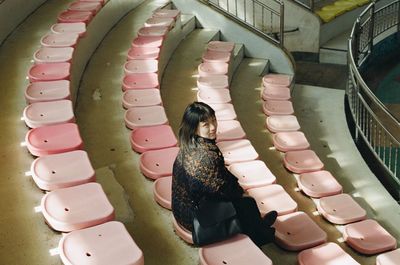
<point>199,173</point>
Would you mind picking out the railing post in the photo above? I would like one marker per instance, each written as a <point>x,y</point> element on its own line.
<point>398,16</point>
<point>356,42</point>
<point>282,24</point>
<point>371,28</point>
<point>312,5</point>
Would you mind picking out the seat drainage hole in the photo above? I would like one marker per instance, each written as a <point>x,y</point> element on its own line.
<point>53,172</point>
<point>157,164</point>
<point>45,141</point>
<point>66,209</point>
<point>41,93</point>
<point>224,262</point>
<point>88,254</point>
<point>41,115</point>
<point>146,140</point>
<point>288,233</point>
<point>99,234</point>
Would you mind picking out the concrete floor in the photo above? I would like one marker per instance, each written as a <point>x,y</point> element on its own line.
<point>26,239</point>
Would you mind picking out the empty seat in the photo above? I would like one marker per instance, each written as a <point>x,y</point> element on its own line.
<point>237,151</point>
<point>272,92</point>
<point>49,72</point>
<point>216,57</point>
<point>141,98</point>
<point>162,191</point>
<point>160,22</point>
<point>62,170</point>
<point>237,250</point>
<point>206,69</point>
<point>48,113</point>
<point>277,80</point>
<point>53,55</point>
<point>57,40</point>
<point>214,96</point>
<point>213,81</point>
<point>151,138</point>
<point>273,197</point>
<point>150,42</point>
<point>302,161</point>
<point>143,53</point>
<point>153,31</point>
<point>78,28</point>
<point>99,1</point>
<point>326,254</point>
<point>297,231</point>
<point>319,184</point>
<point>92,7</point>
<point>53,139</point>
<point>341,209</point>
<point>282,123</point>
<point>278,107</point>
<point>388,258</point>
<point>252,174</point>
<point>220,46</point>
<point>141,66</point>
<point>77,207</point>
<point>171,13</point>
<point>183,233</point>
<point>158,163</point>
<point>108,243</point>
<point>140,81</point>
<point>290,141</point>
<point>47,91</point>
<point>70,16</point>
<point>230,130</point>
<point>145,116</point>
<point>224,112</point>
<point>368,237</point>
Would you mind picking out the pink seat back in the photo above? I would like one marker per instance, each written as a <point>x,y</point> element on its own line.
<point>160,22</point>
<point>290,141</point>
<point>149,42</point>
<point>302,161</point>
<point>47,91</point>
<point>237,151</point>
<point>57,40</point>
<point>169,13</point>
<point>277,79</point>
<point>206,69</point>
<point>49,72</point>
<point>220,46</point>
<point>216,57</point>
<point>214,96</point>
<point>388,258</point>
<point>272,92</point>
<point>230,130</point>
<point>152,138</point>
<point>319,184</point>
<point>162,191</point>
<point>158,163</point>
<point>144,53</point>
<point>156,31</point>
<point>141,98</point>
<point>213,82</point>
<point>282,123</point>
<point>278,107</point>
<point>92,7</point>
<point>145,116</point>
<point>326,254</point>
<point>70,16</point>
<point>252,174</point>
<point>140,81</point>
<point>141,66</point>
<point>48,113</point>
<point>78,27</point>
<point>224,112</point>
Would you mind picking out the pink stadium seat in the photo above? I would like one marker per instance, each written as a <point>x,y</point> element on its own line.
<point>368,237</point>
<point>145,116</point>
<point>224,112</point>
<point>143,53</point>
<point>53,139</point>
<point>155,164</point>
<point>49,72</point>
<point>252,174</point>
<point>302,161</point>
<point>214,96</point>
<point>92,7</point>
<point>206,69</point>
<point>162,191</point>
<point>140,81</point>
<point>104,244</point>
<point>273,197</point>
<point>237,250</point>
<point>290,141</point>
<point>99,1</point>
<point>220,46</point>
<point>152,138</point>
<point>388,258</point>
<point>78,28</point>
<point>277,79</point>
<point>141,66</point>
<point>237,151</point>
<point>278,107</point>
<point>184,234</point>
<point>141,98</point>
<point>341,209</point>
<point>326,254</point>
<point>297,231</point>
<point>53,55</point>
<point>213,81</point>
<point>171,13</point>
<point>69,16</point>
<point>57,40</point>
<point>77,207</point>
<point>319,184</point>
<point>47,91</point>
<point>282,123</point>
<point>230,130</point>
<point>216,57</point>
<point>148,42</point>
<point>62,170</point>
<point>153,31</point>
<point>48,113</point>
<point>160,22</point>
<point>272,92</point>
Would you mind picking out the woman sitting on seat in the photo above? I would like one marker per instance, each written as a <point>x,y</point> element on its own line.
<point>199,173</point>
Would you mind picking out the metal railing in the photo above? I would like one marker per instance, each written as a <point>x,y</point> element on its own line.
<point>266,19</point>
<point>379,129</point>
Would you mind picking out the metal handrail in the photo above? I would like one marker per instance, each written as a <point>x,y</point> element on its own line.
<point>379,129</point>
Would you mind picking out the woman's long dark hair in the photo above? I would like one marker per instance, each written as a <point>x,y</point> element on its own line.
<point>195,113</point>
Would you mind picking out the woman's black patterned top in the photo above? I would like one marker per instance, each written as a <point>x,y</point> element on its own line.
<point>200,173</point>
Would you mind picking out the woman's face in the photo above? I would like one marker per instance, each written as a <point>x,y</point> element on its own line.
<point>207,129</point>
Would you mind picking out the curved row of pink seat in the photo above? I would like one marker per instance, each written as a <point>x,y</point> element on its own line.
<point>75,203</point>
<point>365,236</point>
